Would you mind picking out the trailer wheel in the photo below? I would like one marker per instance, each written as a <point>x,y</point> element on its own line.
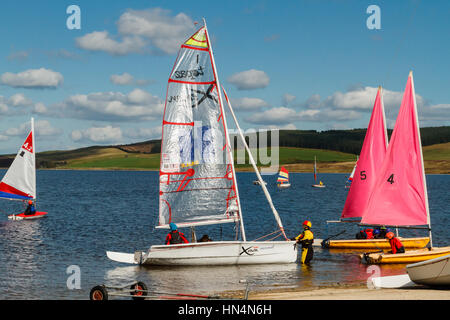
<point>138,291</point>
<point>98,293</point>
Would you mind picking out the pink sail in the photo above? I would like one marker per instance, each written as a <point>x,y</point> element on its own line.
<point>399,197</point>
<point>369,163</point>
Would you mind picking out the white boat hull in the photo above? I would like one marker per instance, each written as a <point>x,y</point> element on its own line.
<point>434,272</point>
<point>213,253</point>
<point>399,281</point>
<point>283,185</point>
<point>318,186</point>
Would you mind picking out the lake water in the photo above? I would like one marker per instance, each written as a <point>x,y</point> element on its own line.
<point>90,212</point>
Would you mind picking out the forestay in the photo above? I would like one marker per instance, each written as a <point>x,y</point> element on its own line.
<point>197,178</point>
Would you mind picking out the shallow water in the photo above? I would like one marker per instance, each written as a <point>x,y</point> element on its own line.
<point>91,212</point>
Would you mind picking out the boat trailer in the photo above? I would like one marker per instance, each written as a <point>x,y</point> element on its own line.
<point>138,291</point>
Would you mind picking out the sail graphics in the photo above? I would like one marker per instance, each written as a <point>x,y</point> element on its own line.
<point>197,178</point>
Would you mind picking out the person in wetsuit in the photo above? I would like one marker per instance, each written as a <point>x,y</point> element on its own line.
<point>175,237</point>
<point>306,239</point>
<point>30,210</point>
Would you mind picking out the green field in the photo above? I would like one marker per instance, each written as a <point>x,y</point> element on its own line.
<point>437,159</point>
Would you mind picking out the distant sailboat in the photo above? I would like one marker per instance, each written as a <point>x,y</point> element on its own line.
<point>19,182</point>
<point>197,180</point>
<point>283,179</point>
<point>399,197</point>
<point>350,178</point>
<point>257,183</point>
<point>320,184</point>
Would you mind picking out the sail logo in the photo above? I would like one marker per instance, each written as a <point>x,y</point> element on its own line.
<point>249,251</point>
<point>28,144</point>
<point>189,74</point>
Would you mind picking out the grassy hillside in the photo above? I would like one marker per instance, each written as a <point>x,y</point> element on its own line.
<point>141,157</point>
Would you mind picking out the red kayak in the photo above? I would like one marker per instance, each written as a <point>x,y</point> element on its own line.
<point>22,216</point>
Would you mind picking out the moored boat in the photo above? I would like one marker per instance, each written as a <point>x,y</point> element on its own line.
<point>411,256</point>
<point>400,196</point>
<point>433,272</point>
<point>197,182</point>
<point>408,243</point>
<point>320,184</point>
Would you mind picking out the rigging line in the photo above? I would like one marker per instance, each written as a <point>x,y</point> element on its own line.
<point>269,234</point>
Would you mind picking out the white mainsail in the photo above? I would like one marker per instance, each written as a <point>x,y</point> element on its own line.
<point>19,182</point>
<point>197,178</point>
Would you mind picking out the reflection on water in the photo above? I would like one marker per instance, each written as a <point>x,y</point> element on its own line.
<point>91,212</point>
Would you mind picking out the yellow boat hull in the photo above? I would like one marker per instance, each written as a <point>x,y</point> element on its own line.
<point>407,257</point>
<point>408,243</point>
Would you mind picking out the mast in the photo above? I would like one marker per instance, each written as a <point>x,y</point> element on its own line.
<point>421,158</point>
<point>241,221</point>
<point>34,157</point>
<point>384,115</point>
<point>261,182</point>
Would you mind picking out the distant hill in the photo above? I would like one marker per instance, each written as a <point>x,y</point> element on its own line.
<point>337,148</point>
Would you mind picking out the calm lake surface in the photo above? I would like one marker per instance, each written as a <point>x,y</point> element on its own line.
<point>90,212</point>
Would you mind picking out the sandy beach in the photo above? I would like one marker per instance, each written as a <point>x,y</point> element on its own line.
<point>353,293</point>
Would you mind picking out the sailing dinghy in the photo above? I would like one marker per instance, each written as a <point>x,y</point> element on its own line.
<point>368,166</point>
<point>19,182</point>
<point>197,177</point>
<point>399,197</point>
<point>320,184</point>
<point>283,179</point>
<point>350,178</point>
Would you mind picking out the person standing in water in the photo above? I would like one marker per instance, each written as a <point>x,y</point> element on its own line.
<point>306,239</point>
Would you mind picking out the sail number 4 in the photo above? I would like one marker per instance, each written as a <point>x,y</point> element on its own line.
<point>391,179</point>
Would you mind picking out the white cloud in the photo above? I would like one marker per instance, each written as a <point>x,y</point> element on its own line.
<point>288,98</point>
<point>127,79</point>
<point>165,32</point>
<point>283,115</point>
<point>122,79</point>
<point>42,128</point>
<point>110,106</point>
<point>33,78</point>
<point>102,41</point>
<point>248,104</point>
<point>19,56</point>
<point>108,134</point>
<point>14,104</point>
<point>250,79</point>
<point>151,31</point>
<point>144,133</point>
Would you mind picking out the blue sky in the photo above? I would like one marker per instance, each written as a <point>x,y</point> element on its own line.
<point>294,64</point>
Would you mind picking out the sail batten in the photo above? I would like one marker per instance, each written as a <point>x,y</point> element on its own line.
<point>197,178</point>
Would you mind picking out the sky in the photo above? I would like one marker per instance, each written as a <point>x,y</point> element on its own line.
<point>287,65</point>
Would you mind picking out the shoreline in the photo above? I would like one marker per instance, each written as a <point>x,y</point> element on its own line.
<point>431,167</point>
<point>343,292</point>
